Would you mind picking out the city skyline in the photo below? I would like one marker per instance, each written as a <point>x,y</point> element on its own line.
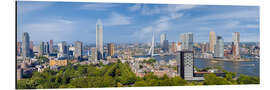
<point>136,22</point>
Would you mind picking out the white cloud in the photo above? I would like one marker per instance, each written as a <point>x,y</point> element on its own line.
<point>243,14</point>
<point>158,9</point>
<point>169,17</point>
<point>135,7</point>
<point>27,7</point>
<point>252,26</point>
<point>176,8</point>
<point>49,28</point>
<point>98,7</point>
<point>117,19</point>
<point>51,25</point>
<point>232,24</point>
<point>146,10</point>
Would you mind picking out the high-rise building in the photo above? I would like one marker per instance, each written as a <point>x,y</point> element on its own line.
<point>78,49</point>
<point>99,40</point>
<point>93,54</point>
<point>25,45</point>
<point>31,45</point>
<point>187,41</point>
<point>111,49</point>
<point>164,43</point>
<point>173,47</point>
<point>204,47</point>
<point>165,47</point>
<point>63,50</point>
<point>212,41</point>
<point>46,48</point>
<point>41,48</point>
<point>235,45</point>
<point>162,39</point>
<point>179,45</point>
<point>219,47</point>
<point>185,64</point>
<point>19,48</point>
<point>19,73</point>
<point>51,46</point>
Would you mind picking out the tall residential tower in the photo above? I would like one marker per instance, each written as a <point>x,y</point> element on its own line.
<point>78,50</point>
<point>187,41</point>
<point>235,45</point>
<point>111,49</point>
<point>212,41</point>
<point>99,39</point>
<point>219,47</point>
<point>25,45</point>
<point>162,39</point>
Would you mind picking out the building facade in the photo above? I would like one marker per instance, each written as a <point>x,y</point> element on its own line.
<point>63,50</point>
<point>93,54</point>
<point>78,50</point>
<point>58,62</point>
<point>26,45</point>
<point>165,47</point>
<point>111,49</point>
<point>162,38</point>
<point>47,48</point>
<point>187,41</point>
<point>212,41</point>
<point>185,64</point>
<point>219,47</point>
<point>51,46</point>
<point>173,47</point>
<point>99,40</point>
<point>41,49</point>
<point>235,45</point>
<point>19,48</point>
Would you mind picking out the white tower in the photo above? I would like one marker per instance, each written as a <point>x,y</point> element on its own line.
<point>151,50</point>
<point>99,39</point>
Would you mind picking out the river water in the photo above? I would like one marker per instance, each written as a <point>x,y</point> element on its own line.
<point>251,68</point>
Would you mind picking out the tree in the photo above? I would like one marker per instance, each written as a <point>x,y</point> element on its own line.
<point>212,79</point>
<point>244,79</point>
<point>140,83</point>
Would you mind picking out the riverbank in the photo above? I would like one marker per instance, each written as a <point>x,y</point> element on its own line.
<point>227,59</point>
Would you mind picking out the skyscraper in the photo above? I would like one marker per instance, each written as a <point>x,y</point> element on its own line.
<point>185,64</point>
<point>99,40</point>
<point>204,47</point>
<point>31,45</point>
<point>19,48</point>
<point>46,48</point>
<point>179,45</point>
<point>162,39</point>
<point>165,47</point>
<point>51,46</point>
<point>212,41</point>
<point>111,49</point>
<point>93,54</point>
<point>78,49</point>
<point>41,48</point>
<point>164,43</point>
<point>62,52</point>
<point>25,45</point>
<point>187,41</point>
<point>173,47</point>
<point>219,47</point>
<point>235,45</point>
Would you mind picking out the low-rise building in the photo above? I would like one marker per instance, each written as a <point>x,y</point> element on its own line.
<point>58,62</point>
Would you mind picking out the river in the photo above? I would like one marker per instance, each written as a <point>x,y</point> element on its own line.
<point>250,68</point>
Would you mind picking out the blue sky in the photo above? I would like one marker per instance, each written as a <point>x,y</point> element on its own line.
<point>72,21</point>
